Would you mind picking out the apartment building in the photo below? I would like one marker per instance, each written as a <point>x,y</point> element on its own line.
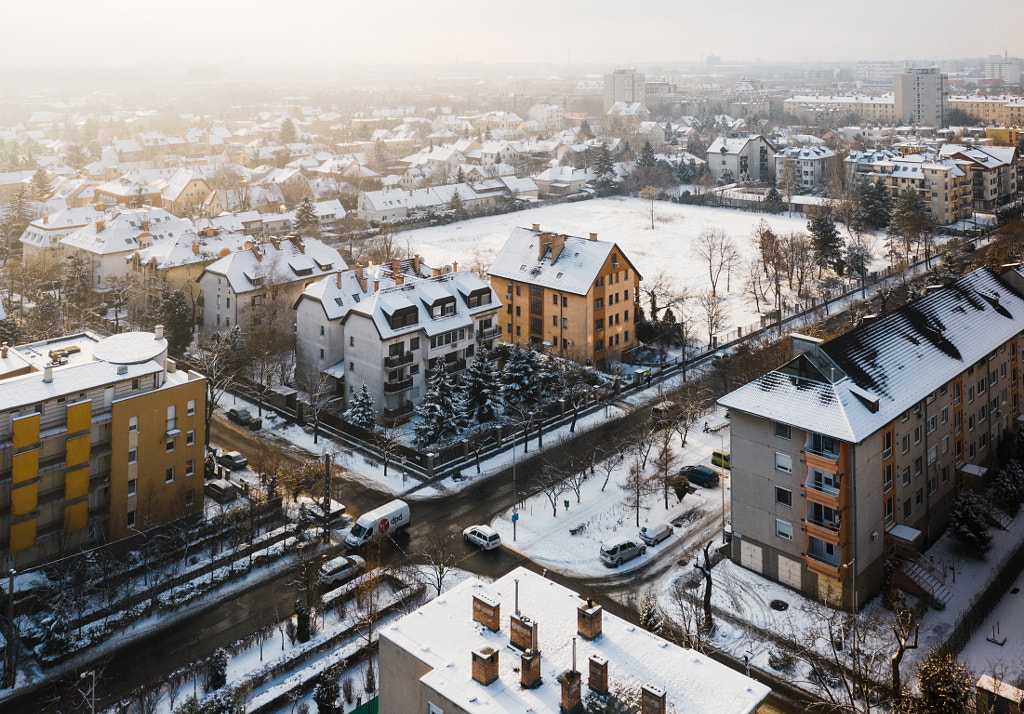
<point>577,297</point>
<point>831,108</point>
<point>40,243</point>
<point>749,158</point>
<point>624,85</point>
<point>921,96</point>
<point>810,162</point>
<point>944,184</point>
<point>456,655</point>
<point>389,325</point>
<point>853,451</point>
<point>100,438</point>
<point>993,171</point>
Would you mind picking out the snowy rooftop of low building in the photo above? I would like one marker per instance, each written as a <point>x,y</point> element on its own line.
<point>867,377</point>
<point>277,262</point>
<point>443,635</point>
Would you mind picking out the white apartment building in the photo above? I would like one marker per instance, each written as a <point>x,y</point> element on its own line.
<point>811,164</point>
<point>921,97</point>
<point>389,325</point>
<point>745,157</point>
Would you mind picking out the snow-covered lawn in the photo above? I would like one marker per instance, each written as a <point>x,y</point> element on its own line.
<point>668,248</point>
<point>1006,625</point>
<point>602,514</point>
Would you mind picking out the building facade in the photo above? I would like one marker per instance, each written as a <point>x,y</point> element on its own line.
<point>101,438</point>
<point>921,96</point>
<point>742,158</point>
<point>854,451</point>
<point>624,85</point>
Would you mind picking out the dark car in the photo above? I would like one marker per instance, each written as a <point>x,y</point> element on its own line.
<point>700,476</point>
<point>242,417</point>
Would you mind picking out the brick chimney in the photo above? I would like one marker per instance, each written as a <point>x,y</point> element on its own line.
<point>571,686</point>
<point>485,665</point>
<point>396,266</point>
<point>100,224</point>
<point>543,245</point>
<point>529,670</point>
<point>557,246</point>
<point>359,273</point>
<point>46,219</point>
<point>399,279</point>
<point>536,226</point>
<point>593,236</point>
<point>337,277</point>
<point>589,619</point>
<point>376,285</point>
<point>598,680</point>
<point>416,264</point>
<point>145,224</point>
<point>523,632</point>
<point>652,699</point>
<point>487,611</point>
<point>455,266</point>
<point>437,272</point>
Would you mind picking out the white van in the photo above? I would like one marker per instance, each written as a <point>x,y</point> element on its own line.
<point>385,520</point>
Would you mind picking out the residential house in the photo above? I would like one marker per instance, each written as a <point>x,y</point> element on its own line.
<point>456,655</point>
<point>389,325</point>
<point>549,116</point>
<point>185,192</point>
<point>559,181</point>
<point>740,158</point>
<point>106,439</point>
<point>993,170</point>
<point>853,452</point>
<point>811,164</point>
<point>630,114</point>
<point>40,243</point>
<point>268,275</point>
<point>577,297</point>
<point>943,184</point>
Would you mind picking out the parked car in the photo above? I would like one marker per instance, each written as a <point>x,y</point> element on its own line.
<point>700,476</point>
<point>243,417</point>
<point>483,537</point>
<point>341,569</point>
<point>220,490</point>
<point>661,413</point>
<point>618,551</point>
<point>720,458</point>
<point>654,533</point>
<point>233,460</point>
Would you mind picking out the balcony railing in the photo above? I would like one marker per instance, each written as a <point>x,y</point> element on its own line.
<point>488,333</point>
<point>823,487</point>
<point>823,559</point>
<point>399,411</point>
<point>832,525</point>
<point>393,361</point>
<point>398,385</point>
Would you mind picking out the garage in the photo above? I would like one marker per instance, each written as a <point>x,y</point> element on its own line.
<point>750,557</point>
<point>789,572</point>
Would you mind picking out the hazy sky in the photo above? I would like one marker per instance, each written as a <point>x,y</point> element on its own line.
<point>142,33</point>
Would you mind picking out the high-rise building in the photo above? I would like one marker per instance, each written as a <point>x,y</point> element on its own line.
<point>921,97</point>
<point>624,85</point>
<point>100,438</point>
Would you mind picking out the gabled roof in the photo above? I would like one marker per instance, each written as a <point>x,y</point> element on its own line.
<point>277,262</point>
<point>884,368</point>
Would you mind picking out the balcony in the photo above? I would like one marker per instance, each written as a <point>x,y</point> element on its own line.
<point>397,385</point>
<point>488,333</point>
<point>823,486</point>
<point>393,361</point>
<point>831,526</point>
<point>823,565</point>
<point>399,411</point>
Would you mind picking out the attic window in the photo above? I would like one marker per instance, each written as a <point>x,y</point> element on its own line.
<point>522,267</point>
<point>355,296</point>
<point>338,301</point>
<point>559,275</point>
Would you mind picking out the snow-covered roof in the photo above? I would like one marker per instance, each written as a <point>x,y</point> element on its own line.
<point>806,153</point>
<point>989,157</point>
<point>442,635</point>
<point>192,247</point>
<point>277,262</point>
<point>574,271</point>
<point>732,145</point>
<point>859,382</point>
<point>127,230</point>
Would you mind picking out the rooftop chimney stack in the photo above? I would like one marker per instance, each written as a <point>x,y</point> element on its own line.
<point>529,669</point>
<point>487,611</point>
<point>536,226</point>
<point>48,373</point>
<point>396,267</point>
<point>593,236</point>
<point>100,224</point>
<point>485,665</point>
<point>589,619</point>
<point>523,633</point>
<point>571,687</point>
<point>3,350</point>
<point>376,285</point>
<point>598,680</point>
<point>557,245</point>
<point>416,264</point>
<point>455,266</point>
<point>158,332</point>
<point>652,699</point>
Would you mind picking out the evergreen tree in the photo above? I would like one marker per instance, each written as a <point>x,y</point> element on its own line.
<point>40,184</point>
<point>967,523</point>
<point>14,219</point>
<point>288,133</point>
<point>217,673</point>
<point>650,616</point>
<point>223,703</point>
<point>301,621</point>
<point>826,241</point>
<point>519,376</point>
<point>857,259</point>
<point>460,175</point>
<point>604,169</point>
<point>326,693</point>
<point>908,223</point>
<point>946,685</point>
<point>773,202</point>
<point>177,318</point>
<point>647,159</point>
<point>437,408</point>
<point>480,392</point>
<point>140,198</point>
<point>585,132</point>
<point>189,706</point>
<point>306,222</point>
<point>361,412</point>
<point>10,331</point>
<point>76,156</point>
<point>1008,487</point>
<point>874,208</point>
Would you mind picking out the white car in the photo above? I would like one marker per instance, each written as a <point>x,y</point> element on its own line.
<point>341,569</point>
<point>484,537</point>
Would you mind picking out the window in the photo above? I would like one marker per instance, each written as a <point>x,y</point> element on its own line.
<point>957,422</point>
<point>132,486</point>
<point>190,497</point>
<point>944,415</point>
<point>822,444</point>
<point>887,445</point>
<point>414,343</point>
<point>906,475</point>
<point>783,529</point>
<point>932,424</point>
<point>133,456</point>
<point>918,466</point>
<point>565,322</point>
<point>321,330</point>
<point>783,431</point>
<point>956,394</point>
<point>783,497</point>
<point>169,474</point>
<point>190,437</point>
<point>135,384</point>
<point>917,434</point>
<point>906,443</point>
<point>598,325</point>
<point>170,444</point>
<point>599,303</point>
<point>919,497</point>
<point>888,510</point>
<point>887,477</point>
<point>133,423</point>
<point>190,409</point>
<point>131,519</point>
<point>906,508</point>
<point>598,345</point>
<point>783,462</point>
<point>190,467</point>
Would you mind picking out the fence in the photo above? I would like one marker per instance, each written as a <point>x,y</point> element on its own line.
<point>369,708</point>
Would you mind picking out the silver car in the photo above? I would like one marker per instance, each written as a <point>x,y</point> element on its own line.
<point>618,551</point>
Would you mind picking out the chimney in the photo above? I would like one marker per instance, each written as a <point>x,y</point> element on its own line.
<point>529,670</point>
<point>48,373</point>
<point>100,224</point>
<point>455,267</point>
<point>416,264</point>
<point>557,245</point>
<point>172,366</point>
<point>485,665</point>
<point>536,226</point>
<point>396,266</point>
<point>593,236</point>
<point>487,611</point>
<point>46,219</point>
<point>437,272</point>
<point>803,344</point>
<point>159,332</point>
<point>100,206</point>
<point>571,685</point>
<point>589,619</point>
<point>247,245</point>
<point>145,224</point>
<point>399,279</point>
<point>337,277</point>
<point>652,699</point>
<point>3,351</point>
<point>376,285</point>
<point>598,680</point>
<point>543,245</point>
<point>522,632</point>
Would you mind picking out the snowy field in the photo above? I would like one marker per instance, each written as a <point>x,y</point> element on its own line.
<point>668,248</point>
<point>602,514</point>
<point>1005,625</point>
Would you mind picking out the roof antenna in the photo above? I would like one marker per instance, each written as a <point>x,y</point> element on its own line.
<point>517,597</point>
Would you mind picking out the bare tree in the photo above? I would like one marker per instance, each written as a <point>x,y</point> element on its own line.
<point>693,402</point>
<point>757,283</point>
<point>650,193</point>
<point>612,460</point>
<point>552,485</point>
<point>714,311</point>
<point>439,556</point>
<point>317,387</point>
<point>708,623</point>
<point>637,487</point>
<point>789,181</point>
<point>717,250</point>
<point>218,360</point>
<point>903,623</point>
<point>662,293</point>
<point>664,463</point>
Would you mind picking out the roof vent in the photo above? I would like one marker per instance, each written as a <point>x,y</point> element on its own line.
<point>48,373</point>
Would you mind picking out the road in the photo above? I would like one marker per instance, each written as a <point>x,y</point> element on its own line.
<point>195,639</point>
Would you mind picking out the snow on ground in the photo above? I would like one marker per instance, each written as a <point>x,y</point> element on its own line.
<point>600,515</point>
<point>1005,625</point>
<point>626,221</point>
